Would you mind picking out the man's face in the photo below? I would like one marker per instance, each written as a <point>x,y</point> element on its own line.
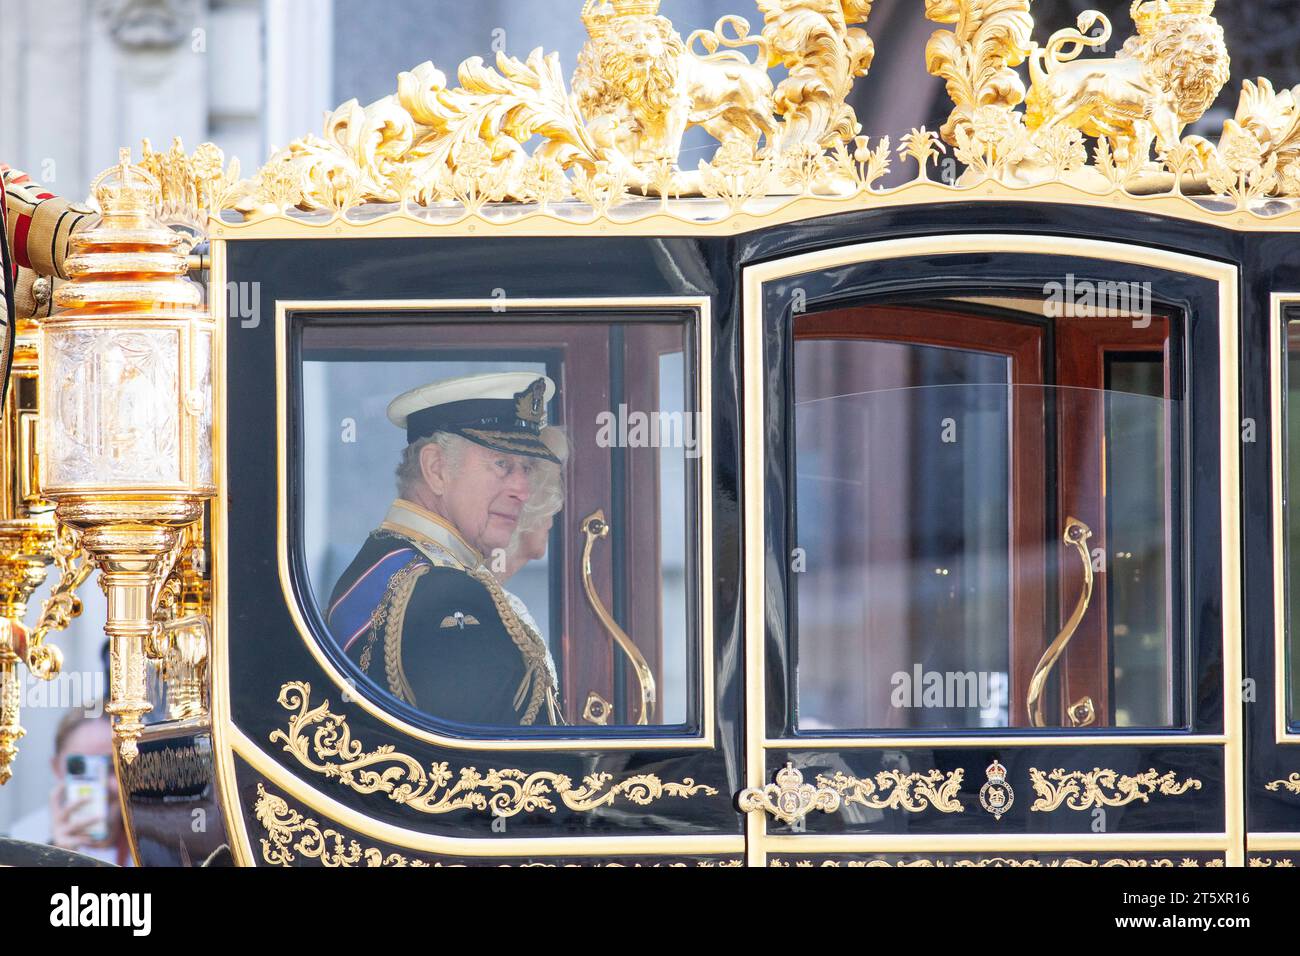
<point>484,494</point>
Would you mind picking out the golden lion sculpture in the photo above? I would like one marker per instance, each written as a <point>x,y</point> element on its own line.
<point>641,87</point>
<point>1164,78</point>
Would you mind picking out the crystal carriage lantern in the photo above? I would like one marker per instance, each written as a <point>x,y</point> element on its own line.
<point>128,357</point>
<point>127,437</point>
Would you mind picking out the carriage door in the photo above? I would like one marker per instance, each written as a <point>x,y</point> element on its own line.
<point>993,556</point>
<point>1273,763</point>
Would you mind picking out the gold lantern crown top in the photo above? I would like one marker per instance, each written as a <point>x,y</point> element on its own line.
<point>598,18</point>
<point>125,190</point>
<point>146,268</point>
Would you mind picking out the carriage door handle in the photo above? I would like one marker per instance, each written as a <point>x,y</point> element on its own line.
<point>595,526</point>
<point>1082,712</point>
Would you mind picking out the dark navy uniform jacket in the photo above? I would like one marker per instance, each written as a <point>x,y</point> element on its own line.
<point>420,616</point>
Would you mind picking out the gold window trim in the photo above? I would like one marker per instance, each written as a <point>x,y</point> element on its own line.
<point>1282,734</point>
<point>1277,345</point>
<point>703,538</point>
<point>755,278</point>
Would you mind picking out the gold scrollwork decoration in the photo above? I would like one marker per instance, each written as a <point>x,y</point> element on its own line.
<point>1291,783</point>
<point>895,790</point>
<point>321,741</point>
<point>289,833</point>
<point>1260,862</point>
<point>1085,789</point>
<point>789,799</point>
<point>59,609</point>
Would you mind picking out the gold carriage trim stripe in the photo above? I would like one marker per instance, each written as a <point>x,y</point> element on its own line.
<point>321,741</point>
<point>290,834</point>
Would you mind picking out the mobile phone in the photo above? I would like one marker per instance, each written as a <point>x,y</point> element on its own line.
<point>87,779</point>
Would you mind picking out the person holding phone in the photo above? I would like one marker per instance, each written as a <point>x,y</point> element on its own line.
<point>84,813</point>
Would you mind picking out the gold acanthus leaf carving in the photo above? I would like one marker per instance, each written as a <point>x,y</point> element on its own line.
<point>322,742</point>
<point>637,89</point>
<point>978,56</point>
<point>1082,790</point>
<point>825,53</point>
<point>410,145</point>
<point>895,790</point>
<point>1104,127</point>
<point>191,187</point>
<point>1291,783</point>
<point>289,833</point>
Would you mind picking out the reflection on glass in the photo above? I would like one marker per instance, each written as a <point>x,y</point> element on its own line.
<point>1138,550</point>
<point>903,519</point>
<point>673,526</point>
<point>923,596</point>
<point>445,473</point>
<point>1293,521</point>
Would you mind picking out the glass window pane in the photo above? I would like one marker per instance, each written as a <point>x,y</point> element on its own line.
<point>903,516</point>
<point>937,582</point>
<point>449,475</point>
<point>1139,565</point>
<point>1293,520</point>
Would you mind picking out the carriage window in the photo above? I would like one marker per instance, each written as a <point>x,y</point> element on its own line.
<point>987,519</point>
<point>498,523</point>
<point>1292,474</point>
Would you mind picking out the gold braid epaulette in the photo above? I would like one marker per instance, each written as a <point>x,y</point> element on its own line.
<point>537,676</point>
<point>399,597</point>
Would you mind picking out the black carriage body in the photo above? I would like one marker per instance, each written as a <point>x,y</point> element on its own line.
<point>276,802</point>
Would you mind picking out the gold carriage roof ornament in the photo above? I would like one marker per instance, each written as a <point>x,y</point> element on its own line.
<point>517,147</point>
<point>598,17</point>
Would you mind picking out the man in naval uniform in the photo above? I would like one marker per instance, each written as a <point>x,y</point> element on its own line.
<point>418,609</point>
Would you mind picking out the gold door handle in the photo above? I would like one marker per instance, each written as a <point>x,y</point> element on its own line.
<point>1082,712</point>
<point>595,526</point>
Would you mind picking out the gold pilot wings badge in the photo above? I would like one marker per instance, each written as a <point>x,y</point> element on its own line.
<point>460,620</point>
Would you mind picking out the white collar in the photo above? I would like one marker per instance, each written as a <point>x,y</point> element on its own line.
<point>424,527</point>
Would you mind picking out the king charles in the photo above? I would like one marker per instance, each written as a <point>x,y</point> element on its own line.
<point>418,610</point>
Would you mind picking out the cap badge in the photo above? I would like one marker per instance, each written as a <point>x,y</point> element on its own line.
<point>530,404</point>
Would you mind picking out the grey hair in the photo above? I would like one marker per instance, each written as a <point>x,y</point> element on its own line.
<point>409,471</point>
<point>548,484</point>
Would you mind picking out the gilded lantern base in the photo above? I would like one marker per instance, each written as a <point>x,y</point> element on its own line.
<point>134,558</point>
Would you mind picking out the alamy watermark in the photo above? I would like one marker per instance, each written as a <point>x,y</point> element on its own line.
<point>629,428</point>
<point>960,690</point>
<point>1084,298</point>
